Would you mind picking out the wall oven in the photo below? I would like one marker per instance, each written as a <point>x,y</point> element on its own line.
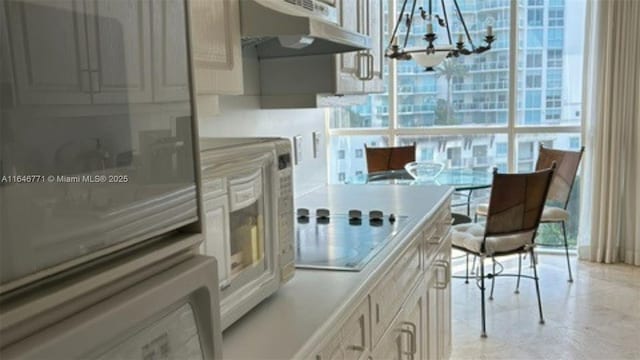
<point>98,185</point>
<point>248,202</point>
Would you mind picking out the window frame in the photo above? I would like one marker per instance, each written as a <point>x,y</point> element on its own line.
<point>512,128</point>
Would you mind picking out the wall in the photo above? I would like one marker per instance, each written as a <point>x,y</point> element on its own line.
<point>242,116</point>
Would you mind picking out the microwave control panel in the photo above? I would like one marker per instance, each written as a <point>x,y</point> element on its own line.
<point>285,211</point>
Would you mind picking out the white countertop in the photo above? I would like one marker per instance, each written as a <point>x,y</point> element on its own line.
<point>292,321</point>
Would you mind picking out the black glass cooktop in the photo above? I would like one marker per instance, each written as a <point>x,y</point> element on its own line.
<point>338,243</point>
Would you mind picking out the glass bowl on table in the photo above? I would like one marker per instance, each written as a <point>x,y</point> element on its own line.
<point>424,171</point>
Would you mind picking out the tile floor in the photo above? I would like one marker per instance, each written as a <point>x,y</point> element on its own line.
<point>595,317</point>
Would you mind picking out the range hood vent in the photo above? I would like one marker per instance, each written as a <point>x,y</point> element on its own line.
<point>285,28</point>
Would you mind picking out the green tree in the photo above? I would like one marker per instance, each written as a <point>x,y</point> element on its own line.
<point>451,68</point>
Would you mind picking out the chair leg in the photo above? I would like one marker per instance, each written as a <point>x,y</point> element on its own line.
<point>535,276</point>
<point>473,266</point>
<point>482,304</point>
<point>517,291</point>
<point>493,277</point>
<point>566,249</point>
<point>466,278</point>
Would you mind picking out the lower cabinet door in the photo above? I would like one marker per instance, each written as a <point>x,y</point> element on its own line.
<point>405,338</point>
<point>332,350</point>
<point>356,335</point>
<point>412,325</point>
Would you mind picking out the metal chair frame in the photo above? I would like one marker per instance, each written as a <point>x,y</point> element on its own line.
<point>528,248</point>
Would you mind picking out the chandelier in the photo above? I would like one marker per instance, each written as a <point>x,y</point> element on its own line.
<point>432,55</point>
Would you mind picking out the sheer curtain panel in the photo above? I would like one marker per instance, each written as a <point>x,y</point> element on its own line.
<point>611,108</point>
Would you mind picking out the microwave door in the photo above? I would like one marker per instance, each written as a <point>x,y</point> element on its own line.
<point>247,228</point>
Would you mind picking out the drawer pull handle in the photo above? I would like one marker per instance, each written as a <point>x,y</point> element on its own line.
<point>357,348</point>
<point>444,265</point>
<point>435,240</point>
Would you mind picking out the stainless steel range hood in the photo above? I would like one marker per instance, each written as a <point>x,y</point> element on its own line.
<point>279,28</point>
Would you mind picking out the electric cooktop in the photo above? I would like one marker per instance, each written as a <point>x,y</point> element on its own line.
<point>344,242</point>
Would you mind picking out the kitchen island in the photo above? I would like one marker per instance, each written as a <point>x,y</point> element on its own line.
<point>399,303</point>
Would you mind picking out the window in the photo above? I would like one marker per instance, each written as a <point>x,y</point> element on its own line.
<point>554,58</point>
<point>532,99</point>
<point>534,38</point>
<point>556,16</point>
<point>454,157</point>
<point>552,114</point>
<point>556,38</point>
<point>534,59</point>
<point>501,149</point>
<point>534,17</point>
<point>426,154</point>
<point>532,117</point>
<point>554,79</point>
<point>472,96</point>
<point>574,142</point>
<point>358,153</point>
<point>534,80</point>
<point>554,98</point>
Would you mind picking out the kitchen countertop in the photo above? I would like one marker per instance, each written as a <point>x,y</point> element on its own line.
<point>290,323</point>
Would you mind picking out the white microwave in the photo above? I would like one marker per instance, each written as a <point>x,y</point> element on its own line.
<point>247,196</point>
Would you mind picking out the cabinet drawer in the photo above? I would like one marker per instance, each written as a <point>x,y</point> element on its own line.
<point>435,233</point>
<point>245,190</point>
<point>212,187</point>
<point>388,295</point>
<point>356,336</point>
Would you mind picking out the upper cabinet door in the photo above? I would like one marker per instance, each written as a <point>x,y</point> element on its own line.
<point>352,14</point>
<point>119,34</point>
<point>49,51</point>
<point>216,47</point>
<point>376,61</point>
<point>169,82</point>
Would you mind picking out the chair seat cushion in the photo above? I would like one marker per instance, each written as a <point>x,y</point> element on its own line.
<point>469,237</point>
<point>550,213</point>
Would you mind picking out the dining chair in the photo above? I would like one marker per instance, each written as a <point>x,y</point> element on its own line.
<point>555,211</point>
<point>513,216</point>
<point>389,158</point>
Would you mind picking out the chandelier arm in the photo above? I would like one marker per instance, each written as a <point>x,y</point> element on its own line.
<point>434,50</point>
<point>406,38</point>
<point>446,21</point>
<point>464,24</point>
<point>395,28</point>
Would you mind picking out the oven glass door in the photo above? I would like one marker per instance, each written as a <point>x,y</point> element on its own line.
<point>96,138</point>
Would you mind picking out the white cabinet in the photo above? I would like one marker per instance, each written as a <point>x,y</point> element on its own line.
<point>409,315</point>
<point>308,81</point>
<point>361,72</point>
<point>347,66</point>
<point>353,340</point>
<point>216,47</point>
<point>119,38</point>
<point>169,82</point>
<point>404,338</point>
<point>375,29</point>
<point>101,51</point>
<point>55,43</point>
<point>116,52</point>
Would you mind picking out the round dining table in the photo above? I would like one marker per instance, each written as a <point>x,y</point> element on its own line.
<point>464,181</point>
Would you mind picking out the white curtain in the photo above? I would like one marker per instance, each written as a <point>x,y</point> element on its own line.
<point>611,109</point>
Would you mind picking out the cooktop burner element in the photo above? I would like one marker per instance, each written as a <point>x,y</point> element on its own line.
<point>342,241</point>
